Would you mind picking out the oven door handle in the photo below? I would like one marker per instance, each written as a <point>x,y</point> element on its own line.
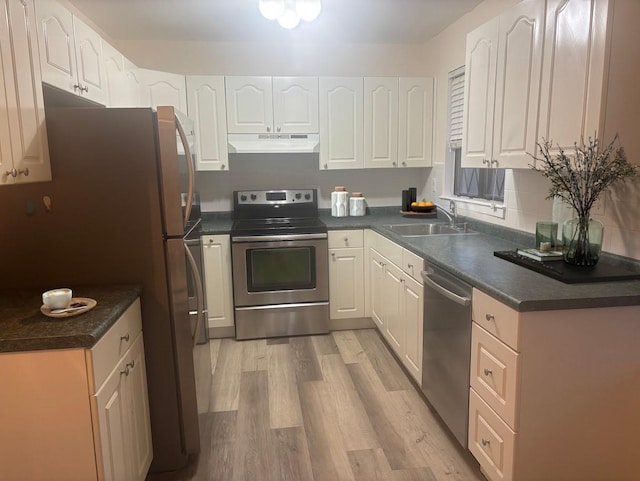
<point>272,238</point>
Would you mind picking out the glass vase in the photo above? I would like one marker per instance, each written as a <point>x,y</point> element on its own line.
<point>582,239</point>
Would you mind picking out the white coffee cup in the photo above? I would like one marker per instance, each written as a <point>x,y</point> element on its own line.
<point>57,298</point>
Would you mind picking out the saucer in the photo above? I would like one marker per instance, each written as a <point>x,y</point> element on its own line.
<point>89,304</point>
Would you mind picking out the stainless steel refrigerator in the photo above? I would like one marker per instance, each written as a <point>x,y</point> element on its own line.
<point>116,217</point>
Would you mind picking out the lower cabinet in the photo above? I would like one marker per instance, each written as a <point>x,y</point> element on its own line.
<point>78,414</point>
<point>397,301</point>
<point>218,287</point>
<point>553,395</point>
<point>346,274</point>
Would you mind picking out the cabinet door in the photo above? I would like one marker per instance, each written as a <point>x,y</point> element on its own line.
<point>376,273</point>
<point>110,405</point>
<point>415,122</point>
<point>164,89</point>
<point>205,95</point>
<point>132,87</point>
<point>479,94</point>
<point>90,62</point>
<point>217,278</point>
<point>518,85</point>
<point>295,105</point>
<point>137,399</point>
<point>380,122</point>
<point>249,105</point>
<point>23,140</point>
<point>573,70</point>
<point>115,76</point>
<point>341,123</point>
<point>58,57</point>
<point>413,319</point>
<point>346,283</point>
<point>393,293</point>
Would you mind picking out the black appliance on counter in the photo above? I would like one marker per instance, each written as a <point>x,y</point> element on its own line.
<point>279,252</point>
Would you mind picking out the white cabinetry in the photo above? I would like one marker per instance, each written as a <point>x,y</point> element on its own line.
<point>206,107</point>
<point>415,122</point>
<point>397,299</point>
<point>346,274</point>
<point>217,279</point>
<point>24,153</point>
<point>93,404</point>
<point>573,388</point>
<point>380,122</point>
<point>163,88</point>
<point>123,86</point>
<point>70,53</point>
<point>502,88</point>
<point>272,105</point>
<point>341,123</point>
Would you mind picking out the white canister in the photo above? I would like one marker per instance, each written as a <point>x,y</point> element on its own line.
<point>357,204</point>
<point>339,202</point>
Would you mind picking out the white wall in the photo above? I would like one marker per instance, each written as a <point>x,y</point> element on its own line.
<point>525,190</point>
<point>381,187</point>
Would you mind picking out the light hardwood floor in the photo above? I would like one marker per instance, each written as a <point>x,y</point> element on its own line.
<point>317,408</point>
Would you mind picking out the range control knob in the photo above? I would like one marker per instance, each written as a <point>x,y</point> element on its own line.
<point>243,197</point>
<point>254,196</point>
<point>298,195</point>
<point>307,196</point>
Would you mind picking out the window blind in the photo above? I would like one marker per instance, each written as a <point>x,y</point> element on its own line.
<point>456,107</point>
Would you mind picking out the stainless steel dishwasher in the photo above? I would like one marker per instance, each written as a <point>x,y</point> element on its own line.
<point>447,348</point>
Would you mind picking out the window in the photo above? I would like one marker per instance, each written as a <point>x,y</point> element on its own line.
<point>468,182</point>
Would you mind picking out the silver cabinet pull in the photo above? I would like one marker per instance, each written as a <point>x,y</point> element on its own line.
<point>326,166</point>
<point>404,164</point>
<point>409,266</point>
<point>131,364</point>
<point>489,317</point>
<point>77,87</point>
<point>13,173</point>
<point>394,164</point>
<point>125,338</point>
<point>485,442</point>
<point>268,129</point>
<point>486,161</point>
<point>125,371</point>
<point>493,161</point>
<point>487,372</point>
<point>24,172</point>
<point>278,129</point>
<point>222,167</point>
<point>333,254</point>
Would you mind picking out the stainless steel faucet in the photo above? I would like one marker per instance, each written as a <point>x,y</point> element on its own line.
<point>449,214</point>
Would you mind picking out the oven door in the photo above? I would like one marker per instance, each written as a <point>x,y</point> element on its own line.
<point>271,270</point>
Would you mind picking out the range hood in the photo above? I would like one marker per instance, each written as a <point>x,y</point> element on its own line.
<point>273,143</point>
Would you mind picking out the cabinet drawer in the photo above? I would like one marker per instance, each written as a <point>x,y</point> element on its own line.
<point>494,373</point>
<point>103,357</point>
<point>491,441</point>
<point>500,320</point>
<point>412,264</point>
<point>387,248</point>
<point>346,238</point>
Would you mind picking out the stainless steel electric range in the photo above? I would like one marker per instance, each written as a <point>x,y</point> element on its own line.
<point>280,264</point>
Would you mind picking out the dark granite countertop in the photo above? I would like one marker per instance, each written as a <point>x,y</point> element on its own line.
<point>24,328</point>
<point>471,258</point>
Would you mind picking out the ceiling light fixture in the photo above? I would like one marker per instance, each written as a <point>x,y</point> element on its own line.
<point>290,12</point>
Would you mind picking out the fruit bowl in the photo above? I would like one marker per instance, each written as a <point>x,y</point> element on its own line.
<point>422,208</point>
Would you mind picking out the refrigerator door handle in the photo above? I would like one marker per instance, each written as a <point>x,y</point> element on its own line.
<point>197,282</point>
<point>190,170</point>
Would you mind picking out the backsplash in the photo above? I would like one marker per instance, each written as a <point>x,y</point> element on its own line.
<point>380,187</point>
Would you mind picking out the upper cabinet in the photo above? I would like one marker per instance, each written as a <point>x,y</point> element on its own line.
<point>415,122</point>
<point>341,123</point>
<point>71,53</point>
<point>162,88</point>
<point>502,88</point>
<point>206,107</point>
<point>123,86</point>
<point>380,122</point>
<point>272,105</point>
<point>23,141</point>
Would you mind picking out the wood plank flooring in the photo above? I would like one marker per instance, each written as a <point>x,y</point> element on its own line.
<point>318,408</point>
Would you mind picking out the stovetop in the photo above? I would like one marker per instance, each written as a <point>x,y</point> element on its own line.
<point>277,226</point>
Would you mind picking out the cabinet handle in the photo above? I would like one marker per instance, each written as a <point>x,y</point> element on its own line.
<point>489,317</point>
<point>485,442</point>
<point>402,281</point>
<point>77,87</point>
<point>24,172</point>
<point>268,129</point>
<point>333,254</point>
<point>326,166</point>
<point>346,240</point>
<point>410,266</point>
<point>487,372</point>
<point>404,164</point>
<point>486,161</point>
<point>125,338</point>
<point>131,364</point>
<point>222,167</point>
<point>278,129</point>
<point>394,164</point>
<point>125,371</point>
<point>13,173</point>
<point>494,161</point>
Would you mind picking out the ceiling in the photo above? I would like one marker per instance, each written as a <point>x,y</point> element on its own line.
<point>351,21</point>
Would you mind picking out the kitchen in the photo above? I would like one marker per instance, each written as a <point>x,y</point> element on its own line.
<point>524,190</point>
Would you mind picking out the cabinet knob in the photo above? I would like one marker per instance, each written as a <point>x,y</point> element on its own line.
<point>486,161</point>
<point>346,240</point>
<point>131,364</point>
<point>394,163</point>
<point>24,172</point>
<point>125,338</point>
<point>404,164</point>
<point>487,372</point>
<point>268,129</point>
<point>13,173</point>
<point>326,166</point>
<point>222,167</point>
<point>485,442</point>
<point>489,317</point>
<point>77,87</point>
<point>278,129</point>
<point>125,371</point>
<point>333,254</point>
<point>493,161</point>
<point>409,266</point>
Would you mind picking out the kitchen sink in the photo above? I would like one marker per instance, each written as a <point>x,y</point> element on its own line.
<point>420,230</point>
